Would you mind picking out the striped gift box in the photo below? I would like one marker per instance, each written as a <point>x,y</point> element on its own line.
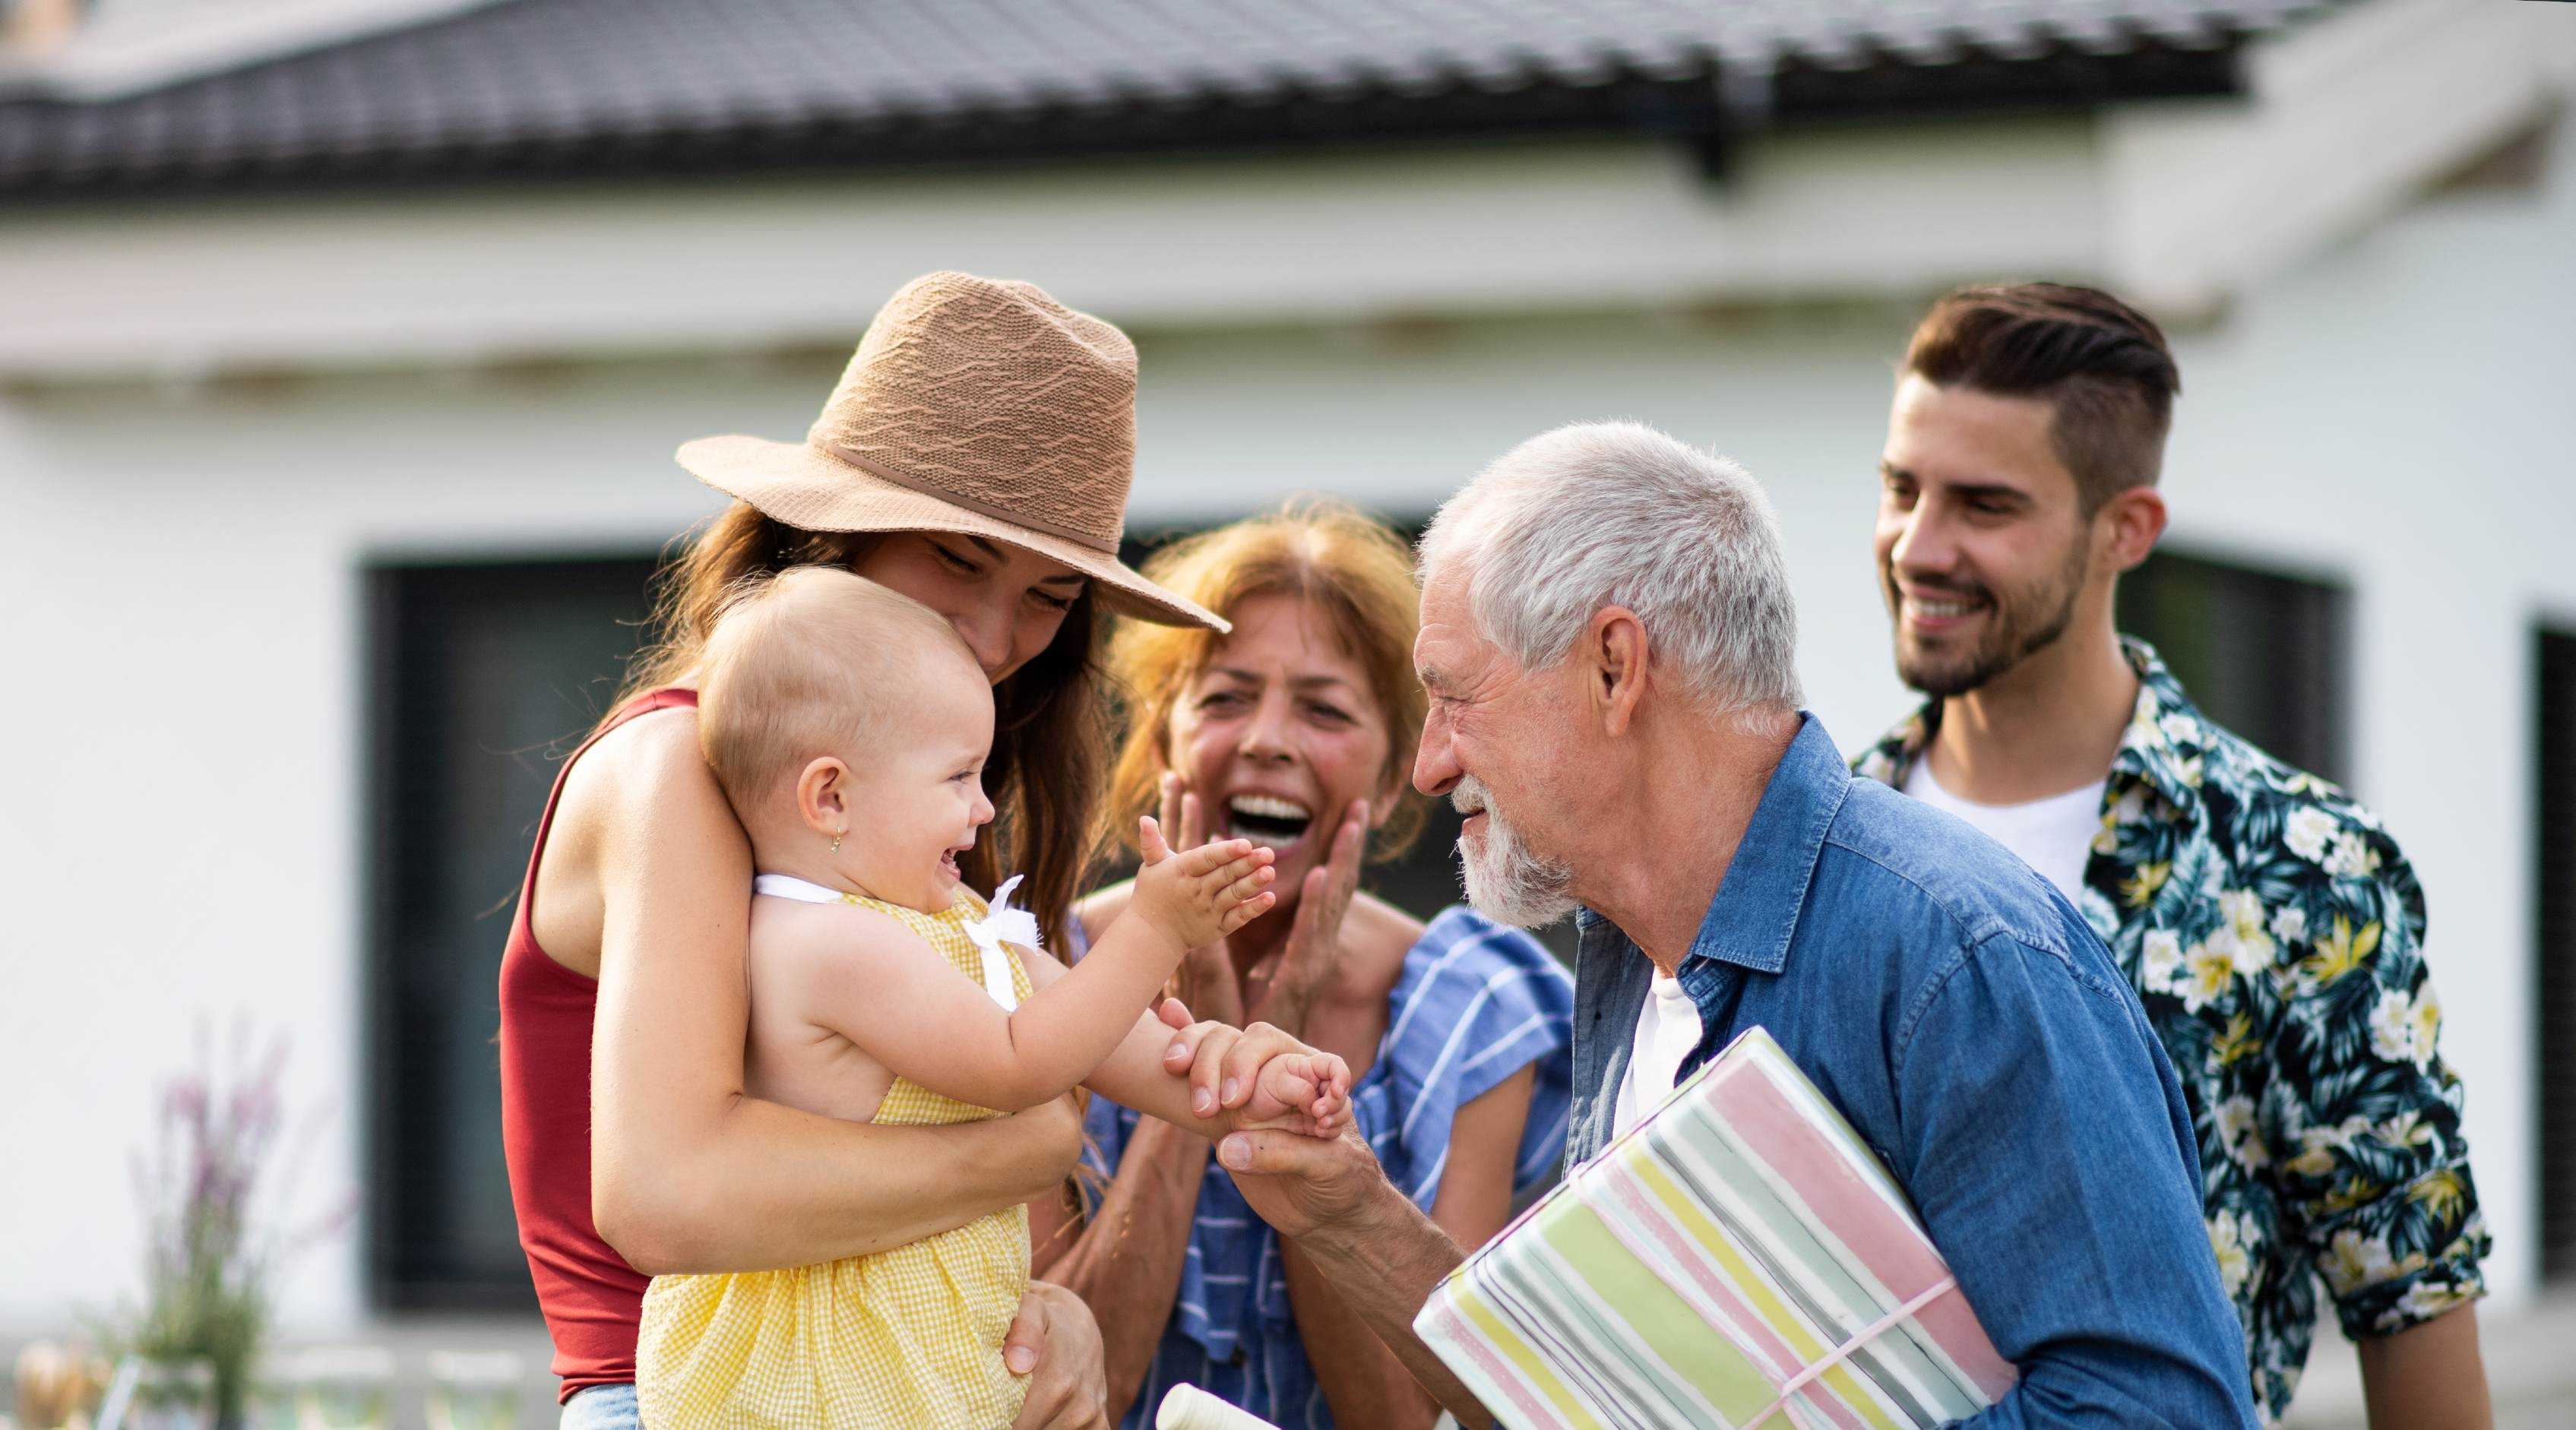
<point>1739,1258</point>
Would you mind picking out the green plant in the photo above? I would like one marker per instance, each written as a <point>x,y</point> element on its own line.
<point>212,1245</point>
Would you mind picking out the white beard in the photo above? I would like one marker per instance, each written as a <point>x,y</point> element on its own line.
<point>1506,880</point>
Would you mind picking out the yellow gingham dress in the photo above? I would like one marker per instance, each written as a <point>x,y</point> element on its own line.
<point>907,1337</point>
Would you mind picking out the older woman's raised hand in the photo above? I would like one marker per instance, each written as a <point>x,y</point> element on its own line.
<point>1314,954</point>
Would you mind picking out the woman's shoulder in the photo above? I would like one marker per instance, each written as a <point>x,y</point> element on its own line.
<point>663,737</point>
<point>1374,921</point>
<point>637,802</point>
<point>648,755</point>
<point>1467,974</point>
<point>1460,944</point>
<point>1479,1001</point>
<point>1376,938</point>
<point>644,784</point>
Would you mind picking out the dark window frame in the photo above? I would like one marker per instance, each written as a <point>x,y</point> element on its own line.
<point>2553,1014</point>
<point>2305,719</point>
<point>415,607</point>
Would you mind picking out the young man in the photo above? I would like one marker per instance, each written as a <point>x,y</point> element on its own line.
<point>2269,923</point>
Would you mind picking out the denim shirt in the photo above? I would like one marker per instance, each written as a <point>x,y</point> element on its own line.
<point>1973,1030</point>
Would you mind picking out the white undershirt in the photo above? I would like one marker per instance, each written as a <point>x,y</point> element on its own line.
<point>2052,835</point>
<point>1667,1030</point>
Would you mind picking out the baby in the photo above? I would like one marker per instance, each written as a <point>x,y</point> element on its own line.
<point>849,727</point>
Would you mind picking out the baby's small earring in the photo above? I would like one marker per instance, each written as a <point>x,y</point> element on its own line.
<point>836,844</point>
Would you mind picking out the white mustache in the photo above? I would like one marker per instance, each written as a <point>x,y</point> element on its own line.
<point>1471,796</point>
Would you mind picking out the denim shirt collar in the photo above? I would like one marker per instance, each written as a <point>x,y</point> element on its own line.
<point>1755,914</point>
<point>1749,924</point>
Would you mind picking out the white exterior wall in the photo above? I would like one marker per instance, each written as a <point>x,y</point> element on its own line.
<point>180,827</point>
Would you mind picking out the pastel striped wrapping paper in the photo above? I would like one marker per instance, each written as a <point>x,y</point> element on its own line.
<point>1737,1258</point>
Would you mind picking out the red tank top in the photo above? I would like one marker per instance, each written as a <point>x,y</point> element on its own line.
<point>590,1296</point>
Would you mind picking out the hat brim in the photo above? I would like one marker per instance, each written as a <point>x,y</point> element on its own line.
<point>810,489</point>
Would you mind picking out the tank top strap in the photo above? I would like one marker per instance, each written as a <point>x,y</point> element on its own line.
<point>522,923</point>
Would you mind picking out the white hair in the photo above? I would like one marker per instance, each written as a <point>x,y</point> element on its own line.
<point>1600,514</point>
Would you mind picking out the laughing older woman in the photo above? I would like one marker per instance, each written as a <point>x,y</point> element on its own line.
<point>1298,730</point>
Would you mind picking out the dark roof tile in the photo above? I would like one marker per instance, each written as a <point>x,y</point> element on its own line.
<point>596,86</point>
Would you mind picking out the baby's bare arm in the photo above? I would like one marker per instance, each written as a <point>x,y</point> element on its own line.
<point>1308,1089</point>
<point>867,977</point>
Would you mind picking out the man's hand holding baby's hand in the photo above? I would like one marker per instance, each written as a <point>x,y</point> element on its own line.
<point>1200,895</point>
<point>1310,1092</point>
<point>1264,1076</point>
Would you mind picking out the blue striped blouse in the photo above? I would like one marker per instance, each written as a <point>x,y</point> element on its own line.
<point>1476,1002</point>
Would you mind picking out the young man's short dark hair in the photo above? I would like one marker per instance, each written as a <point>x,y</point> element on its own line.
<point>2101,363</point>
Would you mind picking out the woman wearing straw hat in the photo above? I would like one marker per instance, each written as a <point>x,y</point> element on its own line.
<point>975,456</point>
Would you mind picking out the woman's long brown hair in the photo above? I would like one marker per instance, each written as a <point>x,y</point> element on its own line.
<point>1049,727</point>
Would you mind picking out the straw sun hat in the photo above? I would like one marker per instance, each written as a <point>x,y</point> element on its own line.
<point>974,406</point>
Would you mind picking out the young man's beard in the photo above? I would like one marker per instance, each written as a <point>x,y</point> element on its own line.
<point>1508,881</point>
<point>2021,623</point>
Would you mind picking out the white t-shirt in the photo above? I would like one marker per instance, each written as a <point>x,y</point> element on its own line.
<point>2053,835</point>
<point>1667,1030</point>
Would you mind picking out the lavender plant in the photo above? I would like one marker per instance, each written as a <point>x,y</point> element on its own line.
<point>216,1224</point>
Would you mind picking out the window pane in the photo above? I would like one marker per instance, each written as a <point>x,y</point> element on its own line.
<point>2261,652</point>
<point>484,678</point>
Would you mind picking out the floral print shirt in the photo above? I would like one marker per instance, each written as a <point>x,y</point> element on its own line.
<point>2275,934</point>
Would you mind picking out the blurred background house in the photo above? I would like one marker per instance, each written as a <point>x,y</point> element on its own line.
<point>343,347</point>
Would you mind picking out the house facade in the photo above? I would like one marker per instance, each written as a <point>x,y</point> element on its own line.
<point>338,389</point>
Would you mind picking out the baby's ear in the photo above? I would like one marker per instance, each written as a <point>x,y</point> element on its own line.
<point>823,795</point>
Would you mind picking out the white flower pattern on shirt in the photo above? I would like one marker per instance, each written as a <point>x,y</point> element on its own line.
<point>2275,932</point>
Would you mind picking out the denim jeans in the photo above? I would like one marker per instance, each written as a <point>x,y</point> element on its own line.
<point>602,1407</point>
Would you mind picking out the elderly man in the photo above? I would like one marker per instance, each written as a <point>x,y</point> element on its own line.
<point>1608,640</point>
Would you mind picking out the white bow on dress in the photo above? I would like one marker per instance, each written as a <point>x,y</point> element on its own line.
<point>1002,924</point>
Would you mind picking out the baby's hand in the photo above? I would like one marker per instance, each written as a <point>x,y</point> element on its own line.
<point>1308,1091</point>
<point>1200,895</point>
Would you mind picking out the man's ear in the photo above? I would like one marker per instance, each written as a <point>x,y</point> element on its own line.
<point>1613,655</point>
<point>2128,526</point>
<point>823,796</point>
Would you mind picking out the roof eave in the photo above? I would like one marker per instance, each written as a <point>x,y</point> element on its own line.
<point>1703,110</point>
